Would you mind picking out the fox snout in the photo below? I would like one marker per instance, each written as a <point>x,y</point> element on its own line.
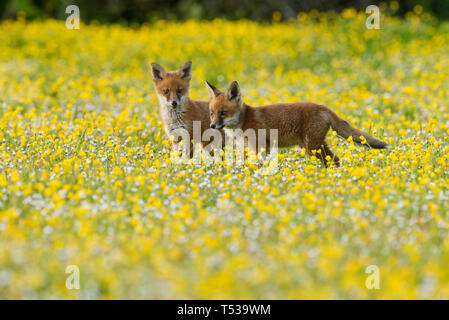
<point>217,125</point>
<point>174,102</point>
<point>174,99</point>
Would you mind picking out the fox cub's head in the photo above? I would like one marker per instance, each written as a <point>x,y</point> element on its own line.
<point>225,107</point>
<point>172,88</point>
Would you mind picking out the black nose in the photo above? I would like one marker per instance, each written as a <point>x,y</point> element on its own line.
<point>174,103</point>
<point>212,126</point>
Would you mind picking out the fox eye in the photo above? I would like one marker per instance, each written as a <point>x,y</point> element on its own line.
<point>166,91</point>
<point>179,90</point>
<point>223,113</point>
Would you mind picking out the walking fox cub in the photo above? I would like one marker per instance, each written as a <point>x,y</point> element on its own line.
<point>303,123</point>
<point>177,110</point>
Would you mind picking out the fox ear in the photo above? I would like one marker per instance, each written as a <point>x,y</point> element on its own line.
<point>185,72</point>
<point>234,91</point>
<point>213,92</point>
<point>158,72</point>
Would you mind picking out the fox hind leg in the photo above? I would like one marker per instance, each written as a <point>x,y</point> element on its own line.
<point>328,152</point>
<point>324,151</point>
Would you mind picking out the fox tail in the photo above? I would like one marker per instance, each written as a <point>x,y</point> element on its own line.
<point>345,130</point>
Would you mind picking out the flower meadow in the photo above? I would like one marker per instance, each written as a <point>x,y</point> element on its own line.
<point>87,179</point>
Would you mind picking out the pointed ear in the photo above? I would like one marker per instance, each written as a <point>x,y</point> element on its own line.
<point>185,72</point>
<point>158,72</point>
<point>233,91</point>
<point>213,92</point>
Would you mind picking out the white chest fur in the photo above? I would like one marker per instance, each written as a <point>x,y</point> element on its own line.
<point>171,117</point>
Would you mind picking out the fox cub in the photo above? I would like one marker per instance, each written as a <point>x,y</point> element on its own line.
<point>177,110</point>
<point>303,123</point>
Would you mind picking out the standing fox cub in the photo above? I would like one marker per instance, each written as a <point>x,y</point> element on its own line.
<point>303,123</point>
<point>177,110</point>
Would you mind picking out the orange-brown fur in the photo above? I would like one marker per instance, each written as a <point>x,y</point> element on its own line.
<point>303,123</point>
<point>188,110</point>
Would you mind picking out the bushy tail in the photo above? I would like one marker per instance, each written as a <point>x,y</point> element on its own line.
<point>345,130</point>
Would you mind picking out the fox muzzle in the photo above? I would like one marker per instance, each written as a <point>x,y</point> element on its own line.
<point>217,125</point>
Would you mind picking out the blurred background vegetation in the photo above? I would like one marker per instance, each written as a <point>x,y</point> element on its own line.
<point>140,11</point>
